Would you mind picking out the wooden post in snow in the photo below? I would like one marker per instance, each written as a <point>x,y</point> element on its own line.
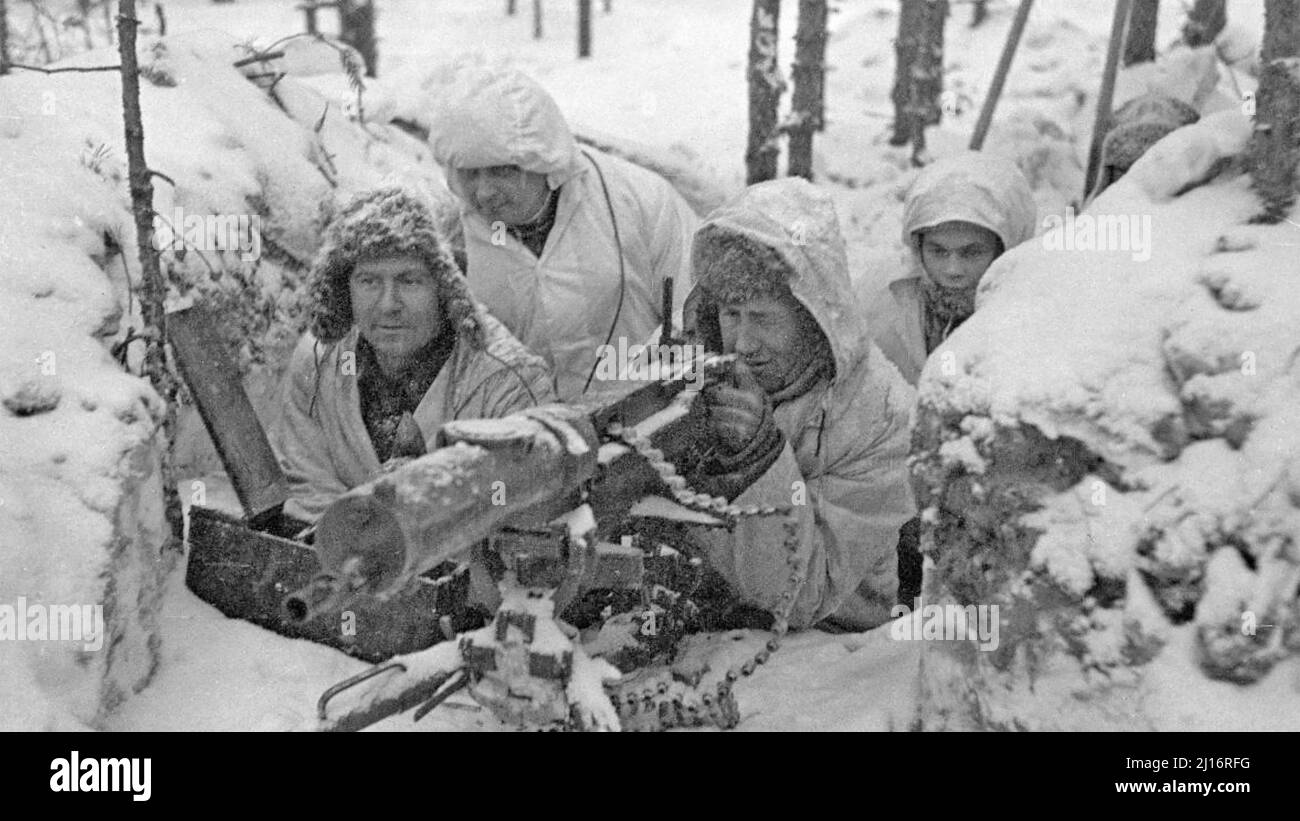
<point>807,102</point>
<point>154,288</point>
<point>309,9</point>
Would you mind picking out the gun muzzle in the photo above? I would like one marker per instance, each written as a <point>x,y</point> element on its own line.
<point>327,592</point>
<point>314,598</point>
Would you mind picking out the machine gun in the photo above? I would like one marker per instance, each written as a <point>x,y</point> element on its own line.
<point>511,477</point>
<point>525,518</point>
<point>559,494</point>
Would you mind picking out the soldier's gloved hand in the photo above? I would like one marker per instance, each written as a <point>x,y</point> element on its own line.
<point>748,441</point>
<point>738,412</point>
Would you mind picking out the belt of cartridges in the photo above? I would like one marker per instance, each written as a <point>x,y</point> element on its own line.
<point>654,700</point>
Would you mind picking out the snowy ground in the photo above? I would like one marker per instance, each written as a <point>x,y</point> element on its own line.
<point>669,73</point>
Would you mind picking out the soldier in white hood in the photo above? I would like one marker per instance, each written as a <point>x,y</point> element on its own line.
<point>568,247</point>
<point>960,214</point>
<point>817,419</point>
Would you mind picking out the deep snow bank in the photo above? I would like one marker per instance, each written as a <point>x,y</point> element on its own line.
<point>80,503</point>
<point>1108,453</point>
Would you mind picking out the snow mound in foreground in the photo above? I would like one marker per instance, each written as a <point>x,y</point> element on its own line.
<point>1110,452</point>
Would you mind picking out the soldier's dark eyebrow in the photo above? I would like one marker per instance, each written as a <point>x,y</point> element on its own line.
<point>976,245</point>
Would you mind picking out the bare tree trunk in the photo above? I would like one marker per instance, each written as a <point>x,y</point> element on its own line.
<point>4,38</point>
<point>765,88</point>
<point>1275,147</point>
<point>584,28</point>
<point>537,19</point>
<point>906,44</point>
<point>162,19</point>
<point>1204,22</point>
<point>926,77</point>
<point>357,29</point>
<point>154,287</point>
<point>1140,41</point>
<point>979,12</point>
<point>807,102</point>
<point>510,7</point>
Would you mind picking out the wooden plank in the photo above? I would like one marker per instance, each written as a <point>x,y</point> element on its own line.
<point>232,423</point>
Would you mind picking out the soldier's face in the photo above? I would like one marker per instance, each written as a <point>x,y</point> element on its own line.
<point>956,254</point>
<point>503,192</point>
<point>395,304</point>
<point>771,335</point>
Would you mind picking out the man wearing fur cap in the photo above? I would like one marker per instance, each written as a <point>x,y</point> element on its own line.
<point>568,247</point>
<point>396,347</point>
<point>960,214</point>
<point>816,420</point>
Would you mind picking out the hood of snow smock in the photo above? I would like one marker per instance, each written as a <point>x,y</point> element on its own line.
<point>485,118</point>
<point>797,221</point>
<point>972,187</point>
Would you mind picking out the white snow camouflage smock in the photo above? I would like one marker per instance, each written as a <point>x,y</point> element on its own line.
<point>321,438</point>
<point>971,187</point>
<point>846,440</point>
<point>562,304</point>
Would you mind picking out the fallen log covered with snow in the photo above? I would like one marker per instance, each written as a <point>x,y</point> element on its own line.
<point>1109,452</point>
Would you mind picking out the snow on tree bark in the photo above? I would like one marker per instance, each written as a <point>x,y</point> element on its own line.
<point>765,88</point>
<point>926,77</point>
<point>906,45</point>
<point>1275,149</point>
<point>808,99</point>
<point>1140,41</point>
<point>1204,22</point>
<point>154,290</point>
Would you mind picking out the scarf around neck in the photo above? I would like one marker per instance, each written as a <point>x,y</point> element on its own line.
<point>945,309</point>
<point>387,402</point>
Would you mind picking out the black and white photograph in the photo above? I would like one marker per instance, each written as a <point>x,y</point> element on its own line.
<point>651,365</point>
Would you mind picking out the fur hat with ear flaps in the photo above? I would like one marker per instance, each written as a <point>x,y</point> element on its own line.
<point>380,223</point>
